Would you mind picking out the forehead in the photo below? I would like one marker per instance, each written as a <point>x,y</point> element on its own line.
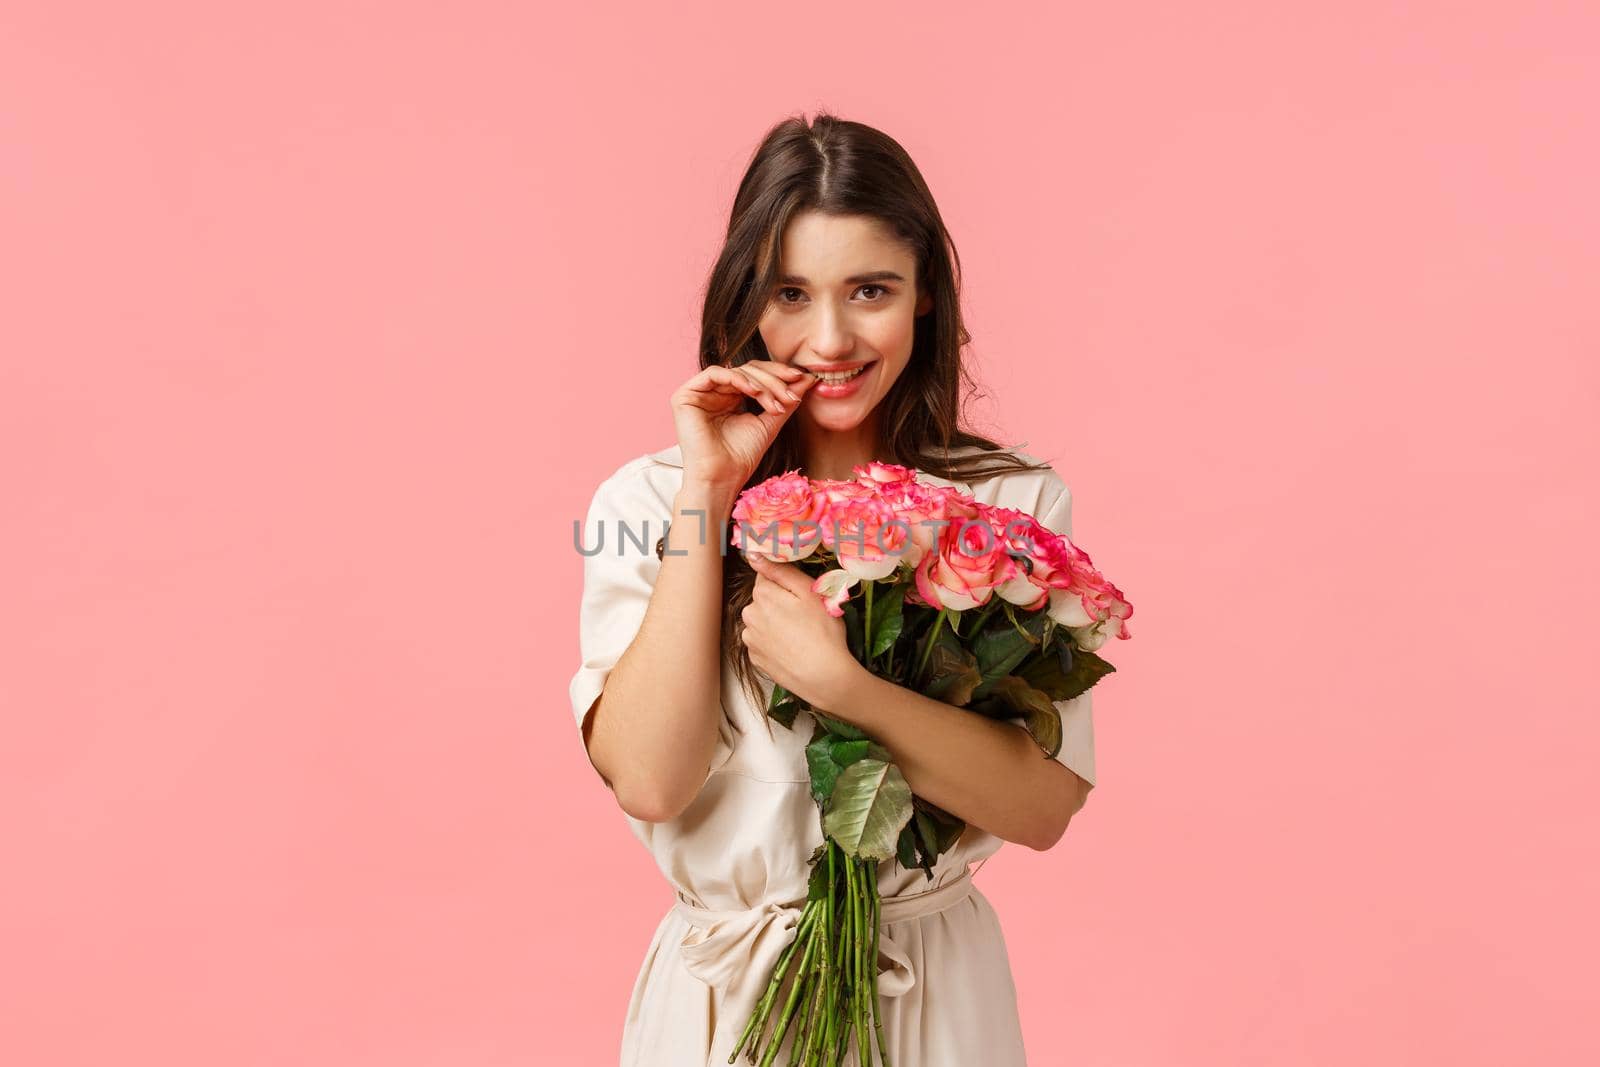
<point>825,248</point>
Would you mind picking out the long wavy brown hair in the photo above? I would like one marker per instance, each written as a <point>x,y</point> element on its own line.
<point>838,167</point>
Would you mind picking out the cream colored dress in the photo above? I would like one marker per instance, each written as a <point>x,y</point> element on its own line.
<point>735,860</point>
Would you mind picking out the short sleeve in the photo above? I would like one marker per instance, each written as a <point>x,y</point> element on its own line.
<point>1077,714</point>
<point>617,541</point>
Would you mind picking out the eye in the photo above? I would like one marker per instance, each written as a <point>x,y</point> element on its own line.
<point>882,292</point>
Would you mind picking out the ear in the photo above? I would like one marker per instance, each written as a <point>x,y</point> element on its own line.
<point>924,303</point>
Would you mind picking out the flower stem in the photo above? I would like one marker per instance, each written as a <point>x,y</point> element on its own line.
<point>995,600</point>
<point>855,946</point>
<point>877,1023</point>
<point>866,627</point>
<point>834,979</point>
<point>807,1037</point>
<point>758,1019</point>
<point>788,1007</point>
<point>866,981</point>
<point>927,649</point>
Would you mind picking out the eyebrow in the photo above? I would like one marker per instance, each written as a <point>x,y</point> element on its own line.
<point>854,279</point>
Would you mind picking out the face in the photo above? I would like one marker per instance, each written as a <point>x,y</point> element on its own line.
<point>845,305</point>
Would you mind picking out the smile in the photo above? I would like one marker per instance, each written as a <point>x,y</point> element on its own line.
<point>838,384</point>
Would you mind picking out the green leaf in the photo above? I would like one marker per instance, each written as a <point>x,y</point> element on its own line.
<point>871,803</point>
<point>1045,672</point>
<point>952,674</point>
<point>1042,717</point>
<point>786,712</point>
<point>948,827</point>
<point>823,771</point>
<point>784,706</point>
<point>928,832</point>
<point>847,750</point>
<point>826,756</point>
<point>888,618</point>
<point>1001,648</point>
<point>852,630</point>
<point>836,726</point>
<point>817,887</point>
<point>1045,725</point>
<point>906,848</point>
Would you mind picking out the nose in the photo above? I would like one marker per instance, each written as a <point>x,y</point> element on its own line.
<point>830,337</point>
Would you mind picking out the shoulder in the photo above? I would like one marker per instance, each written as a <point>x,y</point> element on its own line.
<point>642,486</point>
<point>1036,491</point>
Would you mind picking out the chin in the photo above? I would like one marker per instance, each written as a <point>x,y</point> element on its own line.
<point>838,421</point>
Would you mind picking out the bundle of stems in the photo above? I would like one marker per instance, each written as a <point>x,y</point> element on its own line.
<point>833,993</point>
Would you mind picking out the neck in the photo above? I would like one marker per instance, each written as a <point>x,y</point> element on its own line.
<point>832,453</point>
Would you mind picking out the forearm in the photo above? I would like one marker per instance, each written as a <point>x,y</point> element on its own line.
<point>988,772</point>
<point>657,735</point>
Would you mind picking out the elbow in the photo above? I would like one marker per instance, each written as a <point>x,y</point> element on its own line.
<point>649,807</point>
<point>1048,837</point>
<point>1052,835</point>
<point>641,799</point>
<point>638,799</point>
<point>1061,813</point>
<point>648,795</point>
<point>654,801</point>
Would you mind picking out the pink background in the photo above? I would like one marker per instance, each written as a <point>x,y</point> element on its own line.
<point>322,321</point>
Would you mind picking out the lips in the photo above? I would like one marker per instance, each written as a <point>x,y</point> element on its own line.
<point>832,383</point>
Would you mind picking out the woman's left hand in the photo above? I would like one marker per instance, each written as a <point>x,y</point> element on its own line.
<point>791,637</point>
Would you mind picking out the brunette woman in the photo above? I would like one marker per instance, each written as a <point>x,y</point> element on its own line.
<point>831,336</point>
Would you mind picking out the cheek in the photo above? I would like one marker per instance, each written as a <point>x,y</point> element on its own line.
<point>894,341</point>
<point>778,333</point>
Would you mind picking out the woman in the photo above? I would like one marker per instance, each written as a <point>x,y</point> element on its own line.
<point>831,336</point>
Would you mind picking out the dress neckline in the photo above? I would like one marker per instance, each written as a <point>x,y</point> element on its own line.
<point>672,456</point>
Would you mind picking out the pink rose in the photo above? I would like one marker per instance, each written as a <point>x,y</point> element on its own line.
<point>908,497</point>
<point>1085,602</point>
<point>867,536</point>
<point>881,474</point>
<point>834,588</point>
<point>931,510</point>
<point>1037,551</point>
<point>965,564</point>
<point>841,490</point>
<point>779,518</point>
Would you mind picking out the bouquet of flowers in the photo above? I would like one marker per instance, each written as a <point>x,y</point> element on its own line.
<point>978,606</point>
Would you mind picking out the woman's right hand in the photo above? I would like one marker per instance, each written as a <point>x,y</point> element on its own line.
<point>721,442</point>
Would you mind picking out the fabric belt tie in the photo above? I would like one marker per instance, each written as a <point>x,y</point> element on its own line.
<point>736,949</point>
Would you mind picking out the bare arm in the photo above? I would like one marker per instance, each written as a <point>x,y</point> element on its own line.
<point>989,773</point>
<point>662,700</point>
<point>655,741</point>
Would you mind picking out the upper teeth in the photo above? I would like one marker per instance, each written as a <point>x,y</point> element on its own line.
<point>835,377</point>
